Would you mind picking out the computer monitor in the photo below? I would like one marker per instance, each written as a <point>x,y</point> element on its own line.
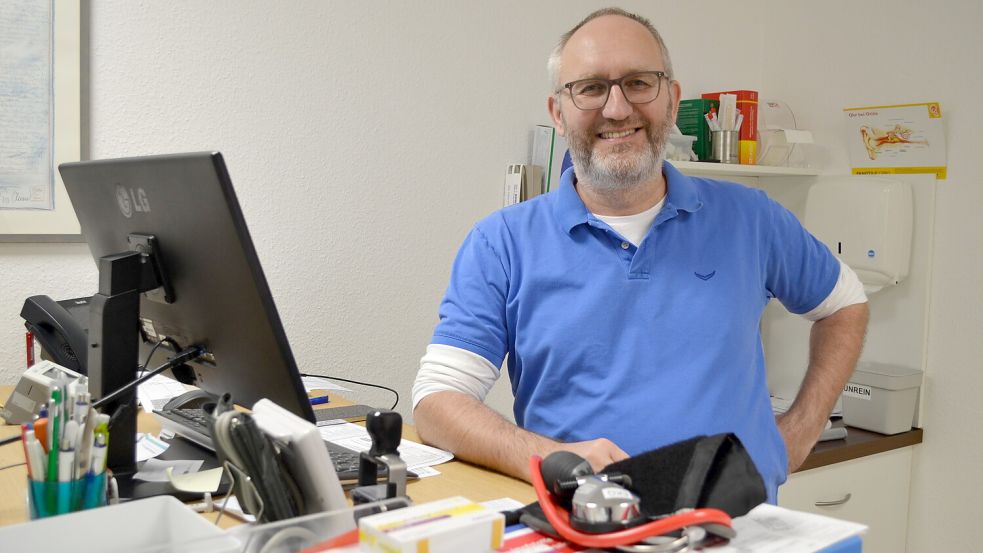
<point>219,300</point>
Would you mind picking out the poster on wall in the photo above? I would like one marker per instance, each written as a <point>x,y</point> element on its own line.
<point>898,139</point>
<point>26,83</point>
<point>40,118</point>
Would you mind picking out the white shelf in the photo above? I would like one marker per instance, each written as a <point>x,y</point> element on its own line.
<point>724,169</point>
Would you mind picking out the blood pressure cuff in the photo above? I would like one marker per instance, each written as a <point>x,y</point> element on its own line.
<point>705,471</point>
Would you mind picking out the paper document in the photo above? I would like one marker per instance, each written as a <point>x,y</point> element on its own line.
<point>357,438</point>
<point>26,114</point>
<point>155,470</point>
<point>149,447</point>
<point>771,529</point>
<point>502,504</point>
<point>425,472</point>
<point>157,391</point>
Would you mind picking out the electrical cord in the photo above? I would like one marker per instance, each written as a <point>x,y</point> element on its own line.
<point>150,355</point>
<point>14,464</point>
<point>359,382</point>
<point>187,354</point>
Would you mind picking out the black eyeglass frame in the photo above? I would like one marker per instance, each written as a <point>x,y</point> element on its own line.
<point>611,83</point>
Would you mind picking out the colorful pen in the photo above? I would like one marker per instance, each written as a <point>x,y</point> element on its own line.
<point>35,457</point>
<point>53,435</point>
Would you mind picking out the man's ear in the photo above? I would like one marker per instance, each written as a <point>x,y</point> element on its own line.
<point>677,94</point>
<point>553,105</point>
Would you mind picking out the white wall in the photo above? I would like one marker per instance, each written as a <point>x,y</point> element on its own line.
<point>365,138</point>
<point>822,57</point>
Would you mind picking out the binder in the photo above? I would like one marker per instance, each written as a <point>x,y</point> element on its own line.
<point>513,185</point>
<point>522,182</point>
<point>543,143</point>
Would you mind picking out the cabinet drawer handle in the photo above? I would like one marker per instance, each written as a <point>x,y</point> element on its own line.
<point>834,502</point>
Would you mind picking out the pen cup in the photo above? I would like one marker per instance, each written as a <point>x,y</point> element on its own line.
<point>45,499</point>
<point>724,146</point>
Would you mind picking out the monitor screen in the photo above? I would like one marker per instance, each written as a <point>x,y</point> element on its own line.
<point>221,298</point>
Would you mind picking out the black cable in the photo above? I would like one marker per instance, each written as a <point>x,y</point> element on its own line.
<point>150,355</point>
<point>10,440</point>
<point>188,354</point>
<point>13,465</point>
<point>359,382</point>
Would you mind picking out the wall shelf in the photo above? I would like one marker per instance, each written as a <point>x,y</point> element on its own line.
<point>724,169</point>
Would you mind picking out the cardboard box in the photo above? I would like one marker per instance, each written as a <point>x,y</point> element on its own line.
<point>447,526</point>
<point>691,122</point>
<point>881,397</point>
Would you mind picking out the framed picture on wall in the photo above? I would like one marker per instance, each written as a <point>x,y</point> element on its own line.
<point>40,118</point>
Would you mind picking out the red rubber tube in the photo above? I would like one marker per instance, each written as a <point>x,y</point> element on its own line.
<point>559,518</point>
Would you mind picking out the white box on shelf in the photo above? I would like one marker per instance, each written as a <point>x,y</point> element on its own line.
<point>881,397</point>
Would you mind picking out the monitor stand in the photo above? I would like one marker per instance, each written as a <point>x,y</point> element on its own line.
<point>114,343</point>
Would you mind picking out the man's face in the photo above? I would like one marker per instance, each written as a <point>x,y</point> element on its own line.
<point>621,144</point>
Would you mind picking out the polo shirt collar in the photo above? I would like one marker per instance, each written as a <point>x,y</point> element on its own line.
<point>683,196</point>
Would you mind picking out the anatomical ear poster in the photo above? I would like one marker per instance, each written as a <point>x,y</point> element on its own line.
<point>899,139</point>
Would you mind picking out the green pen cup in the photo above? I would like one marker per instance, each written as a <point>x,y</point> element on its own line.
<point>45,499</point>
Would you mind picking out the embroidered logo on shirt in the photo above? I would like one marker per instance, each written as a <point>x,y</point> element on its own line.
<point>707,276</point>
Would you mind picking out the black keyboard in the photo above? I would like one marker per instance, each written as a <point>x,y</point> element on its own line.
<point>192,424</point>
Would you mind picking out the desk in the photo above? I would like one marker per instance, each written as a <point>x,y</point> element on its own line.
<point>456,478</point>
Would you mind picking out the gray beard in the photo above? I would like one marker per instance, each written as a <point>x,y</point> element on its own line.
<point>621,174</point>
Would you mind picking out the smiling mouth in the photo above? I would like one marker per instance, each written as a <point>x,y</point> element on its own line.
<point>618,134</point>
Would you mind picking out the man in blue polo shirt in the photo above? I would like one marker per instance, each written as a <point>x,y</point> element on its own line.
<point>627,302</point>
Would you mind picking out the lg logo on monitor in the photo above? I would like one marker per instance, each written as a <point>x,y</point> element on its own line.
<point>129,201</point>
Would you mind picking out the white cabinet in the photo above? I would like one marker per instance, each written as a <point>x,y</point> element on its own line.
<point>870,490</point>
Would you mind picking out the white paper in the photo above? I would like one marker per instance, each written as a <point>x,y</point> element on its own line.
<point>425,472</point>
<point>320,383</point>
<point>771,529</point>
<point>232,507</point>
<point>357,438</point>
<point>502,504</point>
<point>149,447</point>
<point>157,391</point>
<point>26,114</point>
<point>195,481</point>
<point>155,470</point>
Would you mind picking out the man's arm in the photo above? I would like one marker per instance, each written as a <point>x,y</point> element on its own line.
<point>476,433</point>
<point>834,346</point>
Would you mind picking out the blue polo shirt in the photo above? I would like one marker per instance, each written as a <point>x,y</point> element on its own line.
<point>644,345</point>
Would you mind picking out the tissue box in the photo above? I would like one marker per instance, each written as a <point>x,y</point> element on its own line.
<point>447,526</point>
<point>881,397</point>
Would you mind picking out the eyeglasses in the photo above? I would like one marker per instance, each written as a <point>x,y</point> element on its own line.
<point>638,88</point>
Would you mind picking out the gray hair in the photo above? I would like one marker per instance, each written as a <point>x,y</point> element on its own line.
<point>553,64</point>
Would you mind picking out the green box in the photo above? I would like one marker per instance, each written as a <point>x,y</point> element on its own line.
<point>691,121</point>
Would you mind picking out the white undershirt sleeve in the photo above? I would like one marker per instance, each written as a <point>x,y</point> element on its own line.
<point>445,368</point>
<point>848,291</point>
